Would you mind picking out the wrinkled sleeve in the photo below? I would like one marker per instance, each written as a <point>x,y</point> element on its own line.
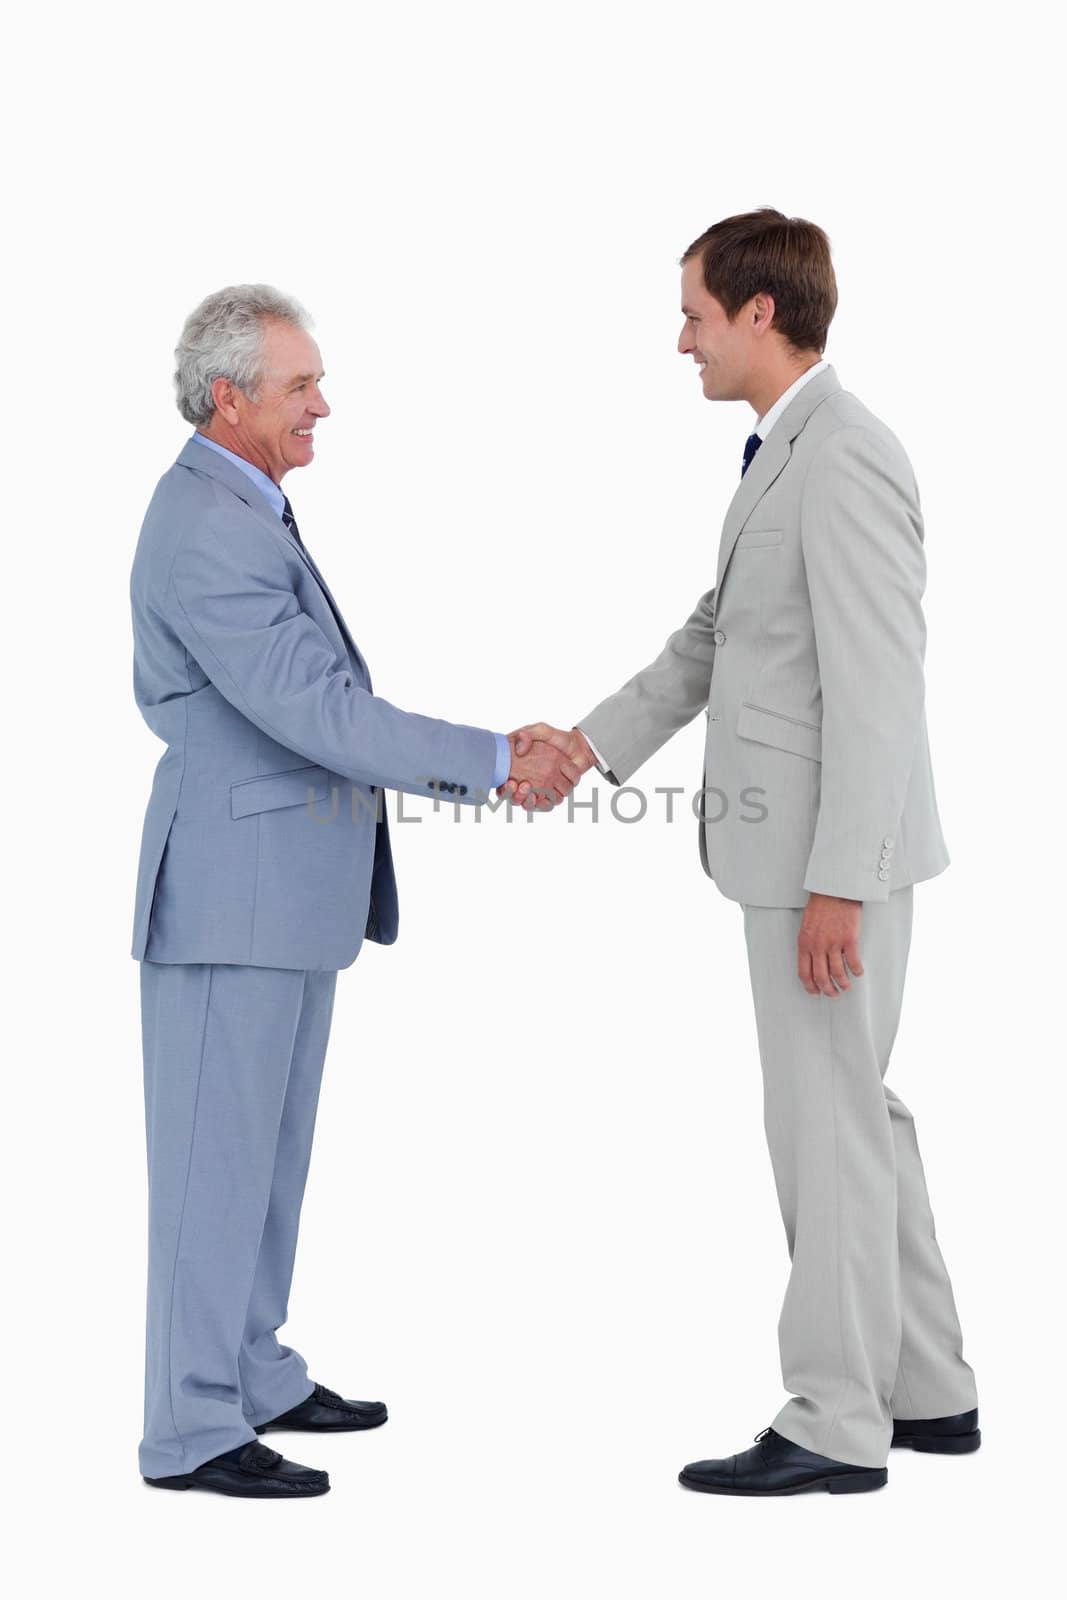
<point>862,541</point>
<point>231,602</point>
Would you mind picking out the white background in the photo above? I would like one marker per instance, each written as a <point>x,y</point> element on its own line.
<point>540,1221</point>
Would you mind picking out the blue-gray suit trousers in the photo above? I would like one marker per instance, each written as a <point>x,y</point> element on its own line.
<point>233,1060</point>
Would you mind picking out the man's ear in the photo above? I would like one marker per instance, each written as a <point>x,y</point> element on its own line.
<point>224,394</point>
<point>761,312</point>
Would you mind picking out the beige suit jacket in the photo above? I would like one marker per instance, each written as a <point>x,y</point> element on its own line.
<point>807,659</point>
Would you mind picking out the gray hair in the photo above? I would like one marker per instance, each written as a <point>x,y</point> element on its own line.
<point>223,338</point>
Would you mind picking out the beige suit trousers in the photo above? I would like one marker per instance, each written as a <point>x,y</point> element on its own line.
<point>868,1330</point>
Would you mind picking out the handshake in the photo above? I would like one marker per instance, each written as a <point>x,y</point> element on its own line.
<point>546,763</point>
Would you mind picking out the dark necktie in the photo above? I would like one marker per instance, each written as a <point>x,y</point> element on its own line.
<point>752,444</point>
<point>290,521</point>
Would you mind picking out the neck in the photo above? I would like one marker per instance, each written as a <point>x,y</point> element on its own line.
<point>772,384</point>
<point>232,439</point>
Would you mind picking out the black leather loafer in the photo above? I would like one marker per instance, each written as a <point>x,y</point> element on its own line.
<point>776,1465</point>
<point>257,1474</point>
<point>941,1436</point>
<point>325,1412</point>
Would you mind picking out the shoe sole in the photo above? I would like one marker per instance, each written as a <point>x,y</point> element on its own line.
<point>337,1427</point>
<point>182,1481</point>
<point>839,1483</point>
<point>945,1444</point>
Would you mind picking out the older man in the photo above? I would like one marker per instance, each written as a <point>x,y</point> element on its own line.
<point>265,862</point>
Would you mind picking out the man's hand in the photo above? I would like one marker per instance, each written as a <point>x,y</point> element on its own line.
<point>829,937</point>
<point>540,772</point>
<point>572,748</point>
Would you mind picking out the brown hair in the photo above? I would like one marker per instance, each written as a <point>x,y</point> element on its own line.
<point>764,252</point>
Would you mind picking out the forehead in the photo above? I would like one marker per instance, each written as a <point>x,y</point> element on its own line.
<point>289,351</point>
<point>694,293</point>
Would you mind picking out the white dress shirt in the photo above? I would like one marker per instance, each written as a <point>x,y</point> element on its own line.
<point>767,421</point>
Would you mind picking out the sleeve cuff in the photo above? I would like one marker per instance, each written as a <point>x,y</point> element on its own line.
<point>597,757</point>
<point>503,760</point>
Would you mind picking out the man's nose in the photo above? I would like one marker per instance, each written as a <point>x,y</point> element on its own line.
<point>684,344</point>
<point>320,408</point>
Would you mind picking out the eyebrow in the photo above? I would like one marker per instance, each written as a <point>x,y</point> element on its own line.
<point>687,313</point>
<point>304,376</point>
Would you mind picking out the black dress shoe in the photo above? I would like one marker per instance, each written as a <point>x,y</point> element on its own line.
<point>325,1412</point>
<point>257,1473</point>
<point>778,1466</point>
<point>942,1436</point>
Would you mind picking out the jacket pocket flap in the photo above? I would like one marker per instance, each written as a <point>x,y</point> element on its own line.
<point>276,789</point>
<point>753,538</point>
<point>781,731</point>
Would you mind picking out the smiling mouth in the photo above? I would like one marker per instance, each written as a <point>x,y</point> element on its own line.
<point>303,433</point>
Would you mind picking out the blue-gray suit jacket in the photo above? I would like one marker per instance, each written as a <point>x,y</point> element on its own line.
<point>261,843</point>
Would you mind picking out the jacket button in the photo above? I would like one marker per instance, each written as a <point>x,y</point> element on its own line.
<point>719,636</point>
<point>888,842</point>
<point>882,873</point>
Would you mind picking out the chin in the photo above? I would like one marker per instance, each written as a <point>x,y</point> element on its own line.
<point>721,391</point>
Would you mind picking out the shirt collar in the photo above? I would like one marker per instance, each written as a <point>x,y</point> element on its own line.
<point>767,421</point>
<point>267,487</point>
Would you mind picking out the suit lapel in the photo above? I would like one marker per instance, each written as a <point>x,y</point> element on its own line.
<point>334,607</point>
<point>770,459</point>
<point>202,459</point>
<point>767,463</point>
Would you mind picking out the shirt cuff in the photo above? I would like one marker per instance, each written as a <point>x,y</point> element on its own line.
<point>597,757</point>
<point>503,760</point>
